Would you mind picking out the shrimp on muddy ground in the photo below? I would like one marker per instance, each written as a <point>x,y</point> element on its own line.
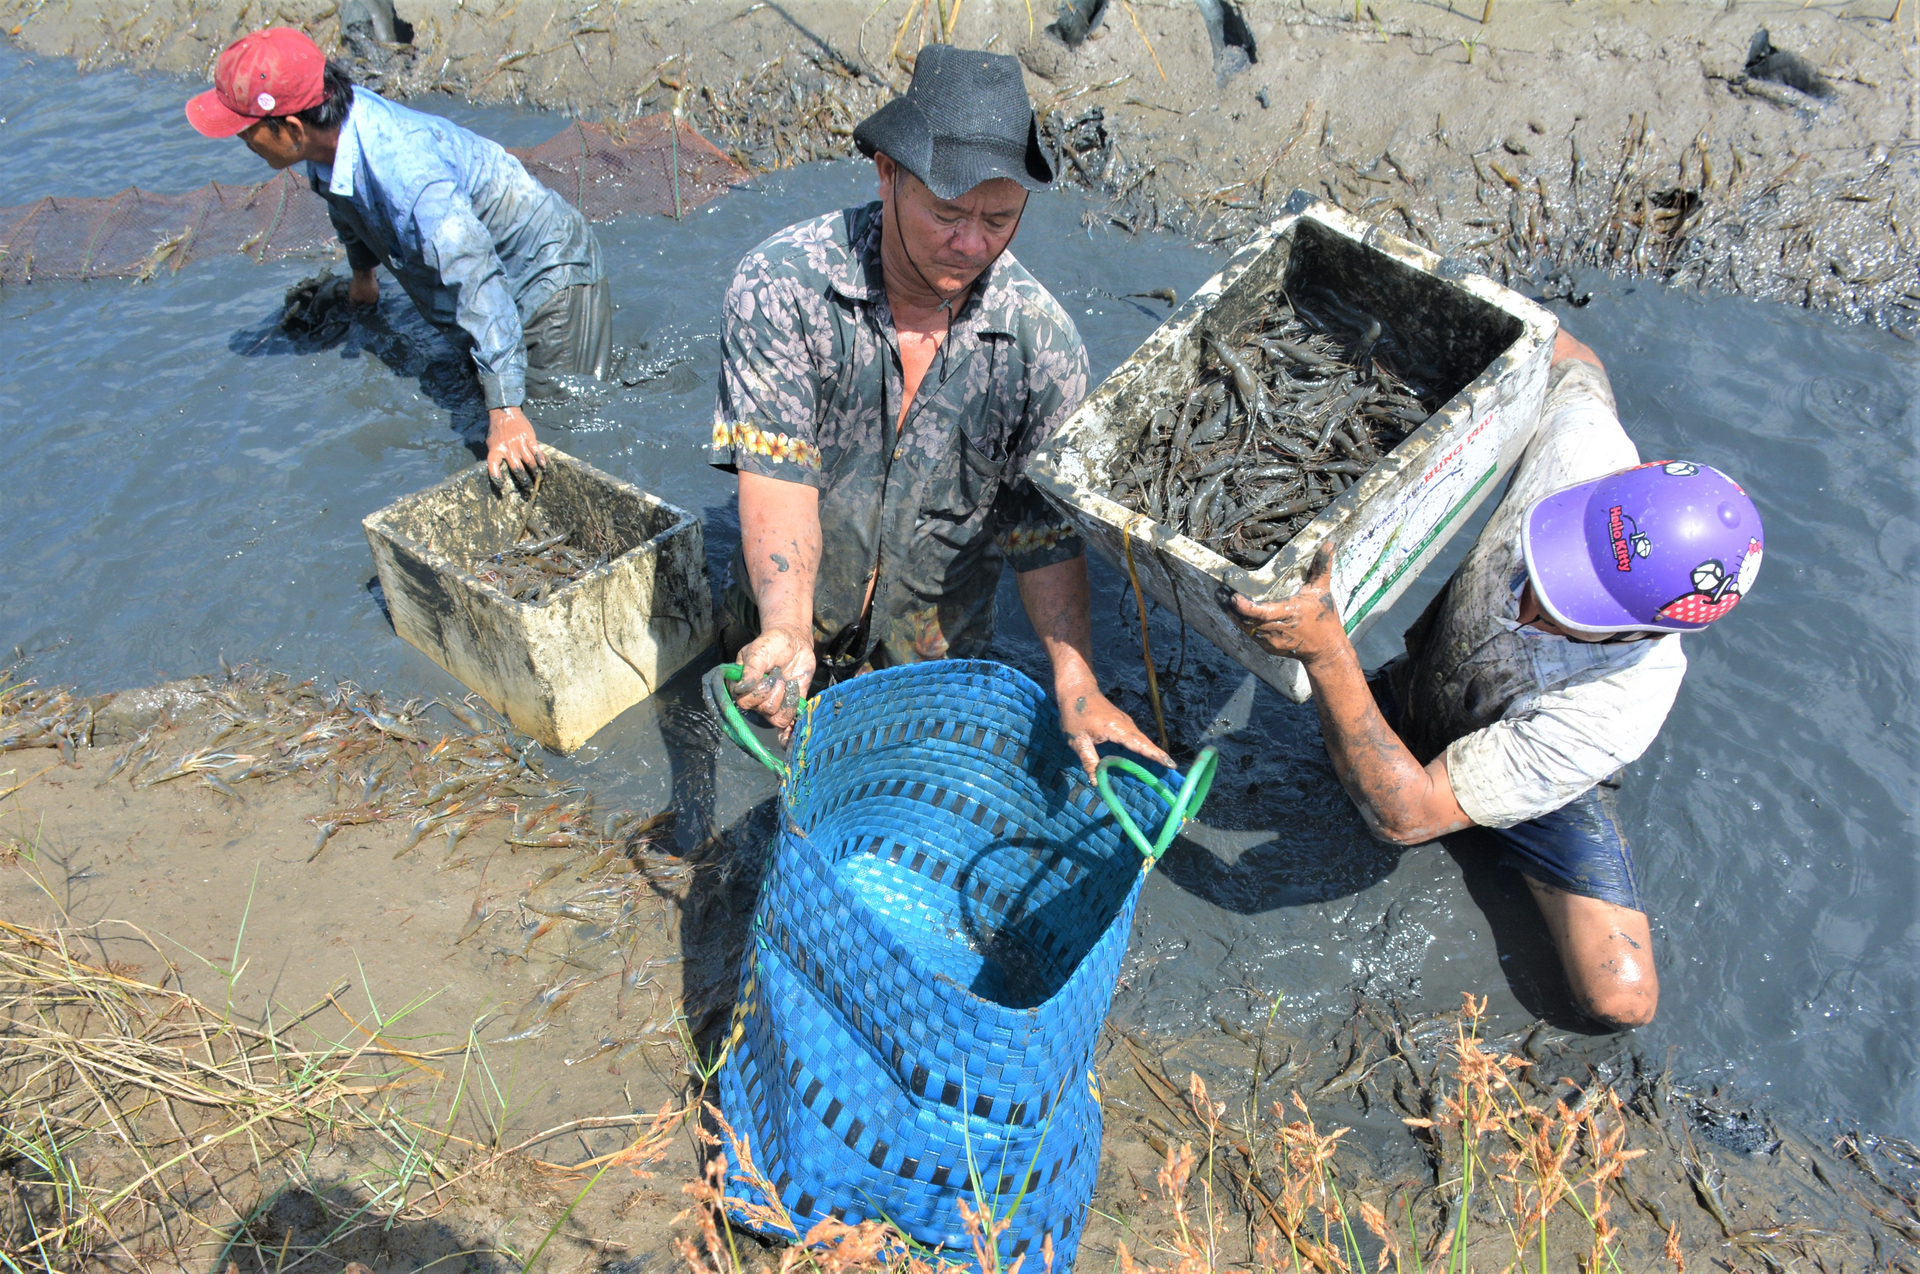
<point>482,911</point>
<point>120,762</point>
<point>538,1013</point>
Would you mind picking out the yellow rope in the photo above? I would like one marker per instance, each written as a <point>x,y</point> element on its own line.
<point>1146,649</point>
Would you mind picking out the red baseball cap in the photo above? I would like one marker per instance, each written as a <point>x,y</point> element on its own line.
<point>279,71</point>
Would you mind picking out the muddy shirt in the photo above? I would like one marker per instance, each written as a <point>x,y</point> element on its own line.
<point>1529,721</point>
<point>810,392</point>
<point>472,237</point>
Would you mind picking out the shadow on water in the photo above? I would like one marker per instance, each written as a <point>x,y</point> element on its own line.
<point>393,335</point>
<point>1277,873</point>
<point>717,917</point>
<point>177,496</point>
<point>1524,945</point>
<point>727,848</point>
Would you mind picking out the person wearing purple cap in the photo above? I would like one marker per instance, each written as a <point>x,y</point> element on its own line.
<point>1548,662</point>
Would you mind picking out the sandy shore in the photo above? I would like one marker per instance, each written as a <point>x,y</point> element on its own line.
<point>1618,136</point>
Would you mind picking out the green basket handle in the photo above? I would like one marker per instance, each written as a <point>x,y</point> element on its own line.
<point>736,725</point>
<point>1181,805</point>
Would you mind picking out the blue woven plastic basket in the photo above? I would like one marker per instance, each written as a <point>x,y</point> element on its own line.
<point>944,916</point>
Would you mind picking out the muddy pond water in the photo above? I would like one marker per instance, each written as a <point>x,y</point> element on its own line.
<point>183,482</point>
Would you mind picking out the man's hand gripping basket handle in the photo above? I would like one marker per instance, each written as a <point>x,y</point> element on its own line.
<point>1181,805</point>
<point>723,707</point>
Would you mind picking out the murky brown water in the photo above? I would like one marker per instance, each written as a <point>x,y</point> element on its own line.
<point>185,482</point>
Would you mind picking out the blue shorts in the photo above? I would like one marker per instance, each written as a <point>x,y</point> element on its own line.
<point>1579,847</point>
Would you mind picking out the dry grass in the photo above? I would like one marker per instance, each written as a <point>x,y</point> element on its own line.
<point>829,1246</point>
<point>140,1126</point>
<point>1525,1186</point>
<point>116,1093</point>
<point>1521,1185</point>
<point>143,1128</point>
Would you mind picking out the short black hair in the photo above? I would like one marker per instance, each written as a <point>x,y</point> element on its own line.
<point>333,108</point>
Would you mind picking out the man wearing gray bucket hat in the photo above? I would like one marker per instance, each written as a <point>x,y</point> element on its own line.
<point>886,371</point>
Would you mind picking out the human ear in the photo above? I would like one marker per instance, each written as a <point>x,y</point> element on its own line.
<point>298,135</point>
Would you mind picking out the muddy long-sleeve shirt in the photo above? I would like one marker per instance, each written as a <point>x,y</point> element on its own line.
<point>810,392</point>
<point>476,242</point>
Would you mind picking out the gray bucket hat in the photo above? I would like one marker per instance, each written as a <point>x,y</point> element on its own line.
<point>964,120</point>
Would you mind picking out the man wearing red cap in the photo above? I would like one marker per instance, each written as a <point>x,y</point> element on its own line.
<point>505,267</point>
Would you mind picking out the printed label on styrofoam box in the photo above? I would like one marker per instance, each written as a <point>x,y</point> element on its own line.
<point>1370,564</point>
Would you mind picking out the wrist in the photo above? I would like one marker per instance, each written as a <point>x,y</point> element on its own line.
<point>1329,660</point>
<point>1073,680</point>
<point>1312,660</point>
<point>796,629</point>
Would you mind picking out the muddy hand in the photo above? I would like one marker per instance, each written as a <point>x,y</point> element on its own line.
<point>776,669</point>
<point>1088,719</point>
<point>1304,626</point>
<point>315,305</point>
<point>511,446</point>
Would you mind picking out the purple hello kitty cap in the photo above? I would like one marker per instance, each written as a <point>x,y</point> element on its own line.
<point>1665,547</point>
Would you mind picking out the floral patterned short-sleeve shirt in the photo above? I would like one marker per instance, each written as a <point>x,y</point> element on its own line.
<point>810,390</point>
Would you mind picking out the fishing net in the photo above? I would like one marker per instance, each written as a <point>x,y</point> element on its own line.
<point>646,166</point>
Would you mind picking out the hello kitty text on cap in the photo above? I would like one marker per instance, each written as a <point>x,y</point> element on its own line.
<point>276,72</point>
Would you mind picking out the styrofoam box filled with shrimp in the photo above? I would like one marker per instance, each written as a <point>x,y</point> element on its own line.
<point>1479,351</point>
<point>572,657</point>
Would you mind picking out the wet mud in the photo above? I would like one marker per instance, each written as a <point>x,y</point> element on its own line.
<point>196,486</point>
<point>524,1041</point>
<point>1660,141</point>
<point>388,890</point>
<point>171,477</point>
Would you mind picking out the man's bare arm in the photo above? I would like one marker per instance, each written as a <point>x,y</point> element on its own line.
<point>780,539</point>
<point>1400,800</point>
<point>1056,599</point>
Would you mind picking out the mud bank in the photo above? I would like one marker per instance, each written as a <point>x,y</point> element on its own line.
<point>1643,138</point>
<point>757,80</point>
<point>403,1000</point>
